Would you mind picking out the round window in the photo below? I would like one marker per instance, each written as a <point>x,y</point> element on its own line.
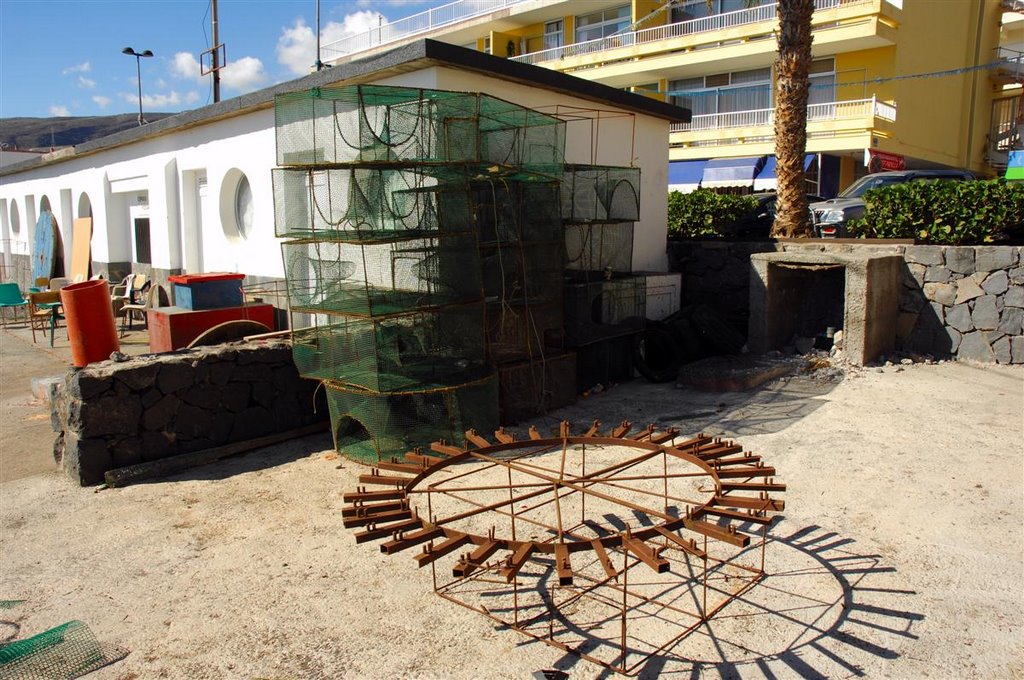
<point>243,207</point>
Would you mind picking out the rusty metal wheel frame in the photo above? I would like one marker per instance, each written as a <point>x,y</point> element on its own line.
<point>660,543</point>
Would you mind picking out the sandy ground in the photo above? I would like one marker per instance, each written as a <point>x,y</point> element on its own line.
<point>900,553</point>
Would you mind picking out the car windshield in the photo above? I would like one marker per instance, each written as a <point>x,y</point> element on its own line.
<point>857,189</point>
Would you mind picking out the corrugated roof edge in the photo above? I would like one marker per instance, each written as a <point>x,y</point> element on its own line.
<point>438,53</point>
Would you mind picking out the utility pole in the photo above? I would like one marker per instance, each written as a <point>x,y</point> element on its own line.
<point>216,57</point>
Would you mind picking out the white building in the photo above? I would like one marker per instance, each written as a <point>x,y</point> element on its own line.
<point>192,192</point>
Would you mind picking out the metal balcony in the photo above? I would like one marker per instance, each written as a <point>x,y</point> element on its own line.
<point>844,110</point>
<point>717,22</point>
<point>424,22</point>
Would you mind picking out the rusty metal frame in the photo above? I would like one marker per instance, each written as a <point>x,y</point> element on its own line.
<point>723,564</point>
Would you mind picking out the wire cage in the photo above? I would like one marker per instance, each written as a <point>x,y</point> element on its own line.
<point>373,426</point>
<point>595,193</point>
<point>513,210</point>
<point>517,332</point>
<point>375,279</point>
<point>534,387</point>
<point>597,308</point>
<point>604,362</point>
<point>376,123</point>
<point>367,204</point>
<point>522,274</point>
<point>599,247</point>
<point>422,350</point>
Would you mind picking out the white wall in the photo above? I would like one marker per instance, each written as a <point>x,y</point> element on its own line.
<point>187,226</point>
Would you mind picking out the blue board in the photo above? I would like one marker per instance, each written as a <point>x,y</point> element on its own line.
<point>44,246</point>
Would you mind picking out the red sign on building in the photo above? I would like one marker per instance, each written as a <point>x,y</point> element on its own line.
<point>880,161</point>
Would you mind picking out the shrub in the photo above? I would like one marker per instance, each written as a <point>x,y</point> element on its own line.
<point>947,213</point>
<point>702,213</point>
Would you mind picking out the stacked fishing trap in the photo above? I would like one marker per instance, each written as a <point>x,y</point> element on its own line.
<point>425,257</point>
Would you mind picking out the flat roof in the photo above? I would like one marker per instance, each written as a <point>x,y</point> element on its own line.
<point>411,57</point>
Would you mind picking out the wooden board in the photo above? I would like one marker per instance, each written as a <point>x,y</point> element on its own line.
<point>44,245</point>
<point>81,250</point>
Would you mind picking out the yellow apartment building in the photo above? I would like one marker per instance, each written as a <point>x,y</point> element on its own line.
<point>894,83</point>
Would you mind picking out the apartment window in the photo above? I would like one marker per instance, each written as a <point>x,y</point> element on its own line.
<point>487,45</point>
<point>822,74</point>
<point>597,25</point>
<point>724,92</point>
<point>697,9</point>
<point>553,34</point>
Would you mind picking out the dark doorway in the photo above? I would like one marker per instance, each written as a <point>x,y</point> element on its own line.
<point>142,248</point>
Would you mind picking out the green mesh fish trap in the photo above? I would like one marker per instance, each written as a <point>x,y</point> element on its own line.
<point>383,124</point>
<point>599,247</point>
<point>594,193</point>
<point>378,279</point>
<point>531,388</point>
<point>373,426</point>
<point>423,350</point>
<point>517,332</point>
<point>70,650</point>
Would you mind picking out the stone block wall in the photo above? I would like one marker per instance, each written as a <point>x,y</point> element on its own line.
<point>955,301</point>
<point>113,414</point>
<point>965,301</point>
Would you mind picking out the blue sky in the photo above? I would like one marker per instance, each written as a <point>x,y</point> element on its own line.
<point>63,57</point>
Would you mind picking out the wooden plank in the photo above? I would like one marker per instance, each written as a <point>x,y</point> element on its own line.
<point>735,514</point>
<point>745,459</point>
<point>370,496</point>
<point>446,449</point>
<point>382,531</point>
<point>623,429</point>
<point>401,467</point>
<point>752,486</point>
<point>475,559</point>
<point>563,565</point>
<point>409,540</point>
<point>384,480</point>
<point>602,556</point>
<point>718,452</point>
<point>689,545</point>
<point>455,541</point>
<point>516,561</point>
<point>644,434</point>
<point>169,466</point>
<point>372,508</point>
<point>363,520</point>
<point>420,459</point>
<point>726,535</point>
<point>745,472</point>
<point>478,441</point>
<point>751,502</point>
<point>534,434</point>
<point>504,437</point>
<point>647,555</point>
<point>81,240</point>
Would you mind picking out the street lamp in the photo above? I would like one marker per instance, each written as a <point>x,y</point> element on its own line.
<point>138,72</point>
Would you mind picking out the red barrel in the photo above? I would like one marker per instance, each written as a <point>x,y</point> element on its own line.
<point>90,320</point>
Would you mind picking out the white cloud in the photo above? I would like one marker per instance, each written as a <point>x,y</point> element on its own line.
<point>390,3</point>
<point>296,47</point>
<point>57,110</point>
<point>86,83</point>
<point>84,67</point>
<point>192,97</point>
<point>184,65</point>
<point>243,75</point>
<point>154,101</point>
<point>101,101</point>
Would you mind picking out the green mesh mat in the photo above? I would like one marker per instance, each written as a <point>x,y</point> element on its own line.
<point>70,650</point>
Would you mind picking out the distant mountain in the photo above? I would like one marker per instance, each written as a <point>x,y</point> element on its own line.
<point>42,133</point>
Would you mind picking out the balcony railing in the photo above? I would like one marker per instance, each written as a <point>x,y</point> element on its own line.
<point>717,22</point>
<point>424,22</point>
<point>845,110</point>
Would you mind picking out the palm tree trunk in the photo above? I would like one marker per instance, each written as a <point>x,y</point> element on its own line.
<point>792,85</point>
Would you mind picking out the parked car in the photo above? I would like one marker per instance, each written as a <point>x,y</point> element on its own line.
<point>831,216</point>
<point>758,222</point>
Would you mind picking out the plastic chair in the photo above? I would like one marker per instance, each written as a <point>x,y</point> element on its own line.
<point>10,296</point>
<point>42,282</point>
<point>155,297</point>
<point>58,282</point>
<point>44,308</point>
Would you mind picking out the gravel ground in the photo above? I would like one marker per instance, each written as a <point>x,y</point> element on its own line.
<point>899,554</point>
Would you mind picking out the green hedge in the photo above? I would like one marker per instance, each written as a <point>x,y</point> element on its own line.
<point>701,212</point>
<point>947,213</point>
